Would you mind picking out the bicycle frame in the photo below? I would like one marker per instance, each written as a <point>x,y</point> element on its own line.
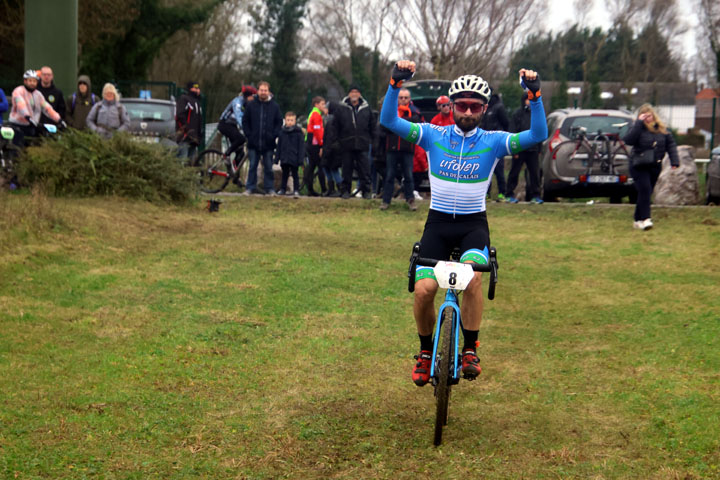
<point>451,300</point>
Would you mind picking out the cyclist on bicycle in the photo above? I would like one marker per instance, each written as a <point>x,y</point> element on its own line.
<point>461,162</point>
<point>230,124</point>
<point>27,106</point>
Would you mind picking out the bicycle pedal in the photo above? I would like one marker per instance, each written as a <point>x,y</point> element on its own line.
<point>469,377</point>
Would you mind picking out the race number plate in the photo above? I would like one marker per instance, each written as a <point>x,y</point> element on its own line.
<point>453,275</point>
<point>603,179</point>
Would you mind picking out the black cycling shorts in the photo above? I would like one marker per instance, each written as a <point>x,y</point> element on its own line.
<point>443,233</point>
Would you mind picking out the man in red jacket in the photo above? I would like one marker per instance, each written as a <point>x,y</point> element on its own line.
<point>445,116</point>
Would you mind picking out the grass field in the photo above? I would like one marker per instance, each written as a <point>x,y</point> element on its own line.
<point>275,340</point>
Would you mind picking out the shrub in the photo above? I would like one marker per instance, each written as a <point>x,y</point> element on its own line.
<point>692,137</point>
<point>84,164</point>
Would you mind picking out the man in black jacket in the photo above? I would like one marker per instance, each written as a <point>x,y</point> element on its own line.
<point>188,116</point>
<point>399,154</point>
<point>52,94</point>
<point>262,122</point>
<point>529,156</point>
<point>355,132</point>
<point>496,119</point>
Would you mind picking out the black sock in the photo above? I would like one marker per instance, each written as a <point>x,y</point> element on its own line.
<point>426,342</point>
<point>470,337</point>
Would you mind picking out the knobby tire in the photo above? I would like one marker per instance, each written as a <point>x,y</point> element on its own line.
<point>443,366</point>
<point>212,161</point>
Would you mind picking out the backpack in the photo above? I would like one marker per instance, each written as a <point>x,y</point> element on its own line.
<point>93,100</point>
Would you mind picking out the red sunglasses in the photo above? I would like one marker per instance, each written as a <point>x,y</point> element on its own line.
<point>463,107</point>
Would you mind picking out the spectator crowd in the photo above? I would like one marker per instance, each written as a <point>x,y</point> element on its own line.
<point>342,142</point>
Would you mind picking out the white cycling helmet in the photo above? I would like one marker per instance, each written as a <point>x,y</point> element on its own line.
<point>31,74</point>
<point>470,86</point>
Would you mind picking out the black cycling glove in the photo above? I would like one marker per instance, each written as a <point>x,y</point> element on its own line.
<point>398,76</point>
<point>533,86</point>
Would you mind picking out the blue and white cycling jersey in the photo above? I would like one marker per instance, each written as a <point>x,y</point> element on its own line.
<point>234,111</point>
<point>461,164</point>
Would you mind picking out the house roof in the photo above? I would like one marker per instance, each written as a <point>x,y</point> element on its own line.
<point>708,93</point>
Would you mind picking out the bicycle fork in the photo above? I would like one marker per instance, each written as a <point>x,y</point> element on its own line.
<point>451,300</point>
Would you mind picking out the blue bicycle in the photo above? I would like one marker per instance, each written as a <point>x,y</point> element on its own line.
<point>445,370</point>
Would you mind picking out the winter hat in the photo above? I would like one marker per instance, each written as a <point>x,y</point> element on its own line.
<point>248,91</point>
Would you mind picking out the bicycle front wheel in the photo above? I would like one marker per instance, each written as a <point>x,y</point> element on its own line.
<point>443,366</point>
<point>213,171</point>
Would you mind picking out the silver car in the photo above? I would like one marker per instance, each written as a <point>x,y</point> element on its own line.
<point>584,155</point>
<point>152,120</point>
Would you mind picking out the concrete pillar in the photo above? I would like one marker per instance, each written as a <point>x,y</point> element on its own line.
<point>51,38</point>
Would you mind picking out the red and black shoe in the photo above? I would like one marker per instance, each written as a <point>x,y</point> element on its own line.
<point>421,370</point>
<point>470,364</point>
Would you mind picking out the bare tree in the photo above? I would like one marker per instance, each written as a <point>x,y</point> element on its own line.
<point>350,39</point>
<point>215,53</point>
<point>452,37</point>
<point>710,36</point>
<point>340,26</point>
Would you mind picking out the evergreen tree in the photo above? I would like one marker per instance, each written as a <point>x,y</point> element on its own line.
<point>275,53</point>
<point>128,54</point>
<point>560,98</point>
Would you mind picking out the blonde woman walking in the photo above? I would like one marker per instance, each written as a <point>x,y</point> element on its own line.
<point>650,140</point>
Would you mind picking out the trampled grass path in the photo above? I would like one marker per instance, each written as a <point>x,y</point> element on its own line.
<point>275,339</point>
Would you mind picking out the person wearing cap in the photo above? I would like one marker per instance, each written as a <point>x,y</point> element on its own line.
<point>355,131</point>
<point>230,123</point>
<point>461,159</point>
<point>27,106</point>
<point>52,94</point>
<point>188,117</point>
<point>444,116</point>
<point>109,115</point>
<point>80,103</point>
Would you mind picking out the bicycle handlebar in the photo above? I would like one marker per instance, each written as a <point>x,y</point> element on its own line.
<point>491,267</point>
<point>431,262</point>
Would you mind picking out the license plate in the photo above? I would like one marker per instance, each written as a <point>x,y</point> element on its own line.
<point>603,179</point>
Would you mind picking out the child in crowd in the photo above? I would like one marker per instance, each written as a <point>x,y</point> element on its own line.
<point>290,152</point>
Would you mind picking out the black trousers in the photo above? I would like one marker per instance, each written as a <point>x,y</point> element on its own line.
<point>230,130</point>
<point>530,159</point>
<point>22,131</point>
<point>357,160</point>
<point>644,179</point>
<point>288,170</point>
<point>313,163</point>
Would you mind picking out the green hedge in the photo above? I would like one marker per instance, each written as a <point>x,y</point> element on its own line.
<point>84,164</point>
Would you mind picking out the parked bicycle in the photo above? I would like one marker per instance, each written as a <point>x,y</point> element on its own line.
<point>10,153</point>
<point>446,367</point>
<point>598,154</point>
<point>216,170</point>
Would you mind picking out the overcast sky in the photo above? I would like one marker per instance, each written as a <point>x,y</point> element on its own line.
<point>562,16</point>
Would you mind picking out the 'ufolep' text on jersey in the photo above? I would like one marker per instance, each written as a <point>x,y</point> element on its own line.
<point>461,164</point>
